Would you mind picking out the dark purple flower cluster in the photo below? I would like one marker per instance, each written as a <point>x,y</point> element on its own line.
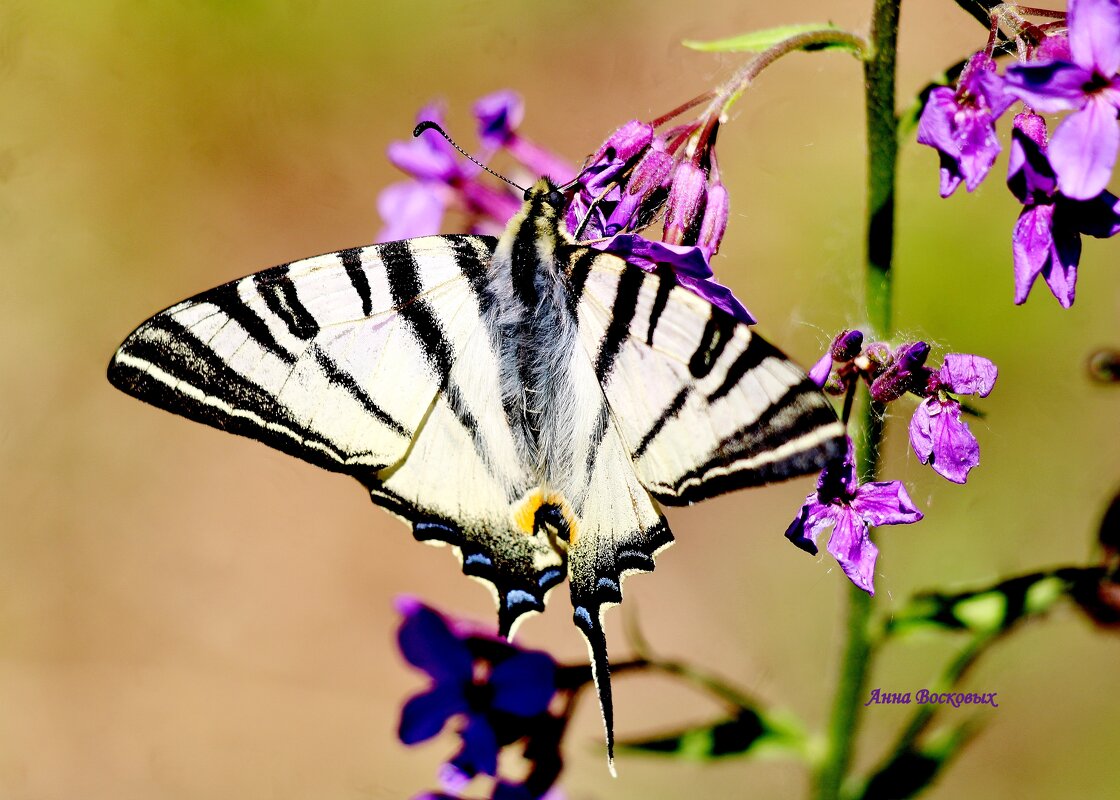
<point>637,177</point>
<point>500,692</point>
<point>938,435</point>
<point>1070,66</point>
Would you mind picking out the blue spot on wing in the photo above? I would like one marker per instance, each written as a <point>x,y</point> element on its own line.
<point>477,558</point>
<point>516,597</point>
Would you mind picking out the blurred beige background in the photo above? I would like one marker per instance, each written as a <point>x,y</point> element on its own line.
<point>186,614</point>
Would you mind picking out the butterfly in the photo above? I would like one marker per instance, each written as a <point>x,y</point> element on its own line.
<point>528,400</point>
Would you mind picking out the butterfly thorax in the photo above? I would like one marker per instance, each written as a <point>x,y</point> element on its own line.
<point>537,338</point>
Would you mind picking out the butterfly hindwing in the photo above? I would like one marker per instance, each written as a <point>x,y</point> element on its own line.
<point>703,404</point>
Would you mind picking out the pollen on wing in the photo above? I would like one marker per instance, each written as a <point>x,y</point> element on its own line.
<point>525,513</point>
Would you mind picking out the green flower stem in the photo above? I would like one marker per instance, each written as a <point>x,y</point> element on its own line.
<point>741,80</point>
<point>882,150</point>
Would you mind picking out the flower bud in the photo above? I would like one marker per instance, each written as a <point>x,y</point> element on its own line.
<point>651,172</point>
<point>686,201</point>
<point>847,345</point>
<point>714,224</point>
<point>906,373</point>
<point>628,141</point>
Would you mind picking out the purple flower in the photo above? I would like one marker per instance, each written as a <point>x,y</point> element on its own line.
<point>497,701</point>
<point>841,502</point>
<point>960,124</point>
<point>1083,149</point>
<point>499,114</point>
<point>938,435</point>
<point>1047,238</point>
<point>690,268</point>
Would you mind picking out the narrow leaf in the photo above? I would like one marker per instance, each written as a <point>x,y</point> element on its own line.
<point>746,733</point>
<point>757,41</point>
<point>995,609</point>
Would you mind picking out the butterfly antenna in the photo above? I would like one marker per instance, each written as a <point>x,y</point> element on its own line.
<point>428,125</point>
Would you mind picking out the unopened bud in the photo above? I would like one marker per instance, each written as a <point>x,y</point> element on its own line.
<point>626,142</point>
<point>847,345</point>
<point>714,224</point>
<point>686,201</point>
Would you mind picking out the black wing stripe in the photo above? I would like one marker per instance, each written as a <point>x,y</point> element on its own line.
<point>622,314</point>
<point>666,282</point>
<point>472,266</point>
<point>799,412</point>
<point>279,293</point>
<point>352,263</point>
<point>756,351</point>
<point>404,284</point>
<point>662,420</point>
<point>171,348</point>
<point>227,300</point>
<point>341,377</point>
<point>718,331</point>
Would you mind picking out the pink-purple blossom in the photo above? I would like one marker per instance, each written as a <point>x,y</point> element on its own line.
<point>1084,145</point>
<point>938,435</point>
<point>1047,237</point>
<point>849,508</point>
<point>960,124</point>
<point>635,177</point>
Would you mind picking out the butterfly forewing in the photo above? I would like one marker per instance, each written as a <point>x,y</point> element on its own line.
<point>703,405</point>
<point>312,358</point>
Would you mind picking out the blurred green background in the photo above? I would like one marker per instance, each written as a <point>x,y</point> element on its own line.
<point>185,614</point>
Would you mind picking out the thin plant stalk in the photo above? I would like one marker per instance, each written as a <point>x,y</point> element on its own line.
<point>882,150</point>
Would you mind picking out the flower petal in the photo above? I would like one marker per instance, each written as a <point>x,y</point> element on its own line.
<point>689,265</point>
<point>955,450</point>
<point>424,715</point>
<point>885,503</point>
<point>498,114</point>
<point>853,549</point>
<point>921,435</point>
<point>1029,174</point>
<point>1032,245</point>
<point>1099,217</point>
<point>1060,271</point>
<point>1094,34</point>
<point>1083,149</point>
<point>524,684</point>
<point>1048,85</point>
<point>813,518</point>
<point>480,748</point>
<point>821,370</point>
<point>427,642</point>
<point>967,374</point>
<point>410,208</point>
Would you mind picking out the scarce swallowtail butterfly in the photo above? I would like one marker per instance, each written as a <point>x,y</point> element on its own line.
<point>527,400</point>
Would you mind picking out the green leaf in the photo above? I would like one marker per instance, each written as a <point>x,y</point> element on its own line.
<point>746,733</point>
<point>995,609</point>
<point>757,41</point>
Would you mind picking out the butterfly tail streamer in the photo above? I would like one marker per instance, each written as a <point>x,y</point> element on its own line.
<point>591,625</point>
